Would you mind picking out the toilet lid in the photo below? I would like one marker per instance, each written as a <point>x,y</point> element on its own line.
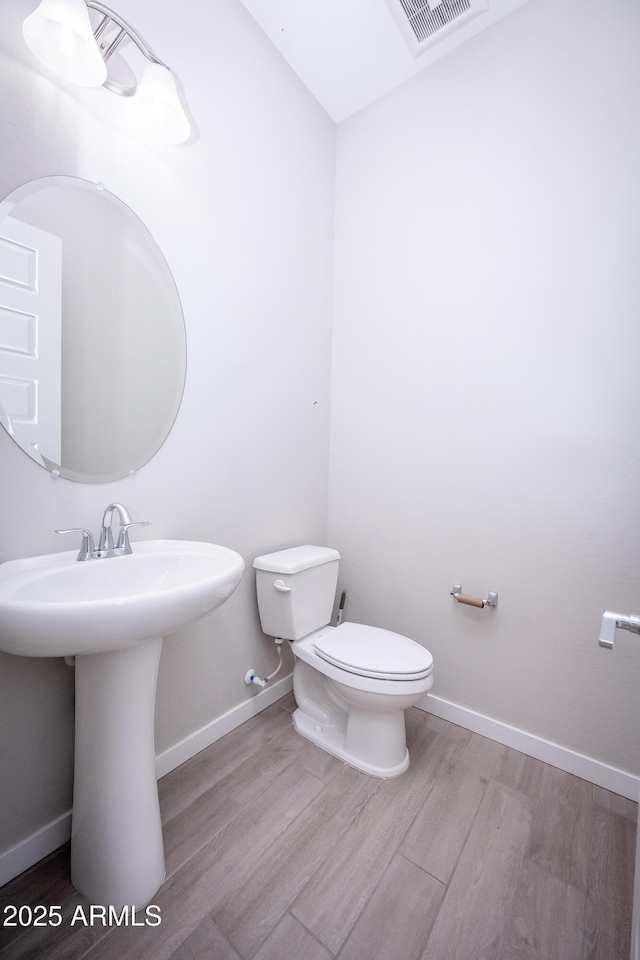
<point>373,652</point>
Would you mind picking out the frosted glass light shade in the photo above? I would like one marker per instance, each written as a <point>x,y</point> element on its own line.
<point>156,109</point>
<point>59,34</point>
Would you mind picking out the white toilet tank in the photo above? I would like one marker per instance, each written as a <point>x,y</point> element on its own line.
<point>296,590</point>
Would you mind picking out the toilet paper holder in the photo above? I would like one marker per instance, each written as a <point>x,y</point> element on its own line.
<point>457,594</point>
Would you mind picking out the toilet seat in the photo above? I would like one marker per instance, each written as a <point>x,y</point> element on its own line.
<point>374,652</point>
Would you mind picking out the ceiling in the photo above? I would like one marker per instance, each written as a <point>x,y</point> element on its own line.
<point>349,53</point>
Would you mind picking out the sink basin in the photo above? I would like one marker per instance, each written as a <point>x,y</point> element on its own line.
<point>55,606</point>
<point>112,614</point>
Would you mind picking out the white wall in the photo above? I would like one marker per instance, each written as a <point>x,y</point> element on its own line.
<point>485,413</point>
<point>244,217</point>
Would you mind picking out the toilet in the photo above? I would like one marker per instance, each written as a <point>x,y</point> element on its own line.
<point>352,683</point>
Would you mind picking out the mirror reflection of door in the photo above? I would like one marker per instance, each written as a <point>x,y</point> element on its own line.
<point>30,335</point>
<point>123,346</point>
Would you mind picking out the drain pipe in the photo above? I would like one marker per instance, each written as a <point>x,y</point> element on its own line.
<point>250,676</point>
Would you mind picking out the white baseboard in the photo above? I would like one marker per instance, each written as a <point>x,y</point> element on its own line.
<point>44,841</point>
<point>51,836</point>
<point>180,752</point>
<point>618,781</point>
<point>40,844</point>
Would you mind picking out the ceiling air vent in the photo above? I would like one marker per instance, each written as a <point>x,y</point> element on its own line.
<point>426,22</point>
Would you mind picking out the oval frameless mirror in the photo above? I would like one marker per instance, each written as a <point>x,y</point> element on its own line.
<point>92,336</point>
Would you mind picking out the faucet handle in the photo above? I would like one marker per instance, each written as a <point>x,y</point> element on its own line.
<point>87,546</point>
<point>123,536</point>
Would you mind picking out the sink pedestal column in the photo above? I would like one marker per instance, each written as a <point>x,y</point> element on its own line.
<point>117,853</point>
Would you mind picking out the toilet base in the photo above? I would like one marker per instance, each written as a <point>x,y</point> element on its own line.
<point>333,739</point>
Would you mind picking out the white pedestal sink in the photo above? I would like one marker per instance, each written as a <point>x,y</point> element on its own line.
<point>112,614</point>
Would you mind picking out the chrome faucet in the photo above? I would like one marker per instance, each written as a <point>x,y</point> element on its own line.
<point>106,536</point>
<point>123,546</point>
<point>106,547</point>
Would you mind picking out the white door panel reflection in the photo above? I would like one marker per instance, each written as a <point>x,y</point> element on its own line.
<point>31,336</point>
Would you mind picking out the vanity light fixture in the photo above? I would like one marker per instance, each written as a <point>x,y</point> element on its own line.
<point>60,34</point>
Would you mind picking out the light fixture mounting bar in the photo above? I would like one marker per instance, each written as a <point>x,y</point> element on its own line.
<point>113,46</point>
<point>126,31</point>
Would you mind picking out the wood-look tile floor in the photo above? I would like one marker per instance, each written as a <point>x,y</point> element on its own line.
<point>277,851</point>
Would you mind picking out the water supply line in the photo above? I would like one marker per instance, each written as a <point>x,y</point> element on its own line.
<point>340,613</point>
<point>251,677</point>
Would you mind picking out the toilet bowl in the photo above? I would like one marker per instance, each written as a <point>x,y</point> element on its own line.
<point>352,683</point>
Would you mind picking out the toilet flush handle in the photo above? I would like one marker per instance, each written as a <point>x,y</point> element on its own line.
<point>281,586</point>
